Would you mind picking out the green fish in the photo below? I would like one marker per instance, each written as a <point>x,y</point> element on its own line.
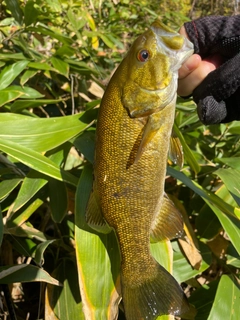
<point>132,141</point>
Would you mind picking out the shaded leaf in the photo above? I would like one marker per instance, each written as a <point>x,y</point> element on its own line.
<point>58,199</point>
<point>39,253</point>
<point>64,302</point>
<point>25,273</point>
<point>20,105</point>
<point>61,66</point>
<point>6,186</point>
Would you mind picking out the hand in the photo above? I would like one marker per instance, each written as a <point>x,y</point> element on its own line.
<point>193,71</point>
<point>212,75</point>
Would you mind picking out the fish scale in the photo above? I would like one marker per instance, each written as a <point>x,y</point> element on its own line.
<point>132,140</point>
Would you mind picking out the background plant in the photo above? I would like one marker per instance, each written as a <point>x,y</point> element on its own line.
<point>56,58</point>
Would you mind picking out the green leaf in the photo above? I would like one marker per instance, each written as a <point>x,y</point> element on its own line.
<point>20,105</point>
<point>32,183</point>
<point>26,231</point>
<point>225,212</point>
<point>61,66</point>
<point>14,7</point>
<point>27,92</point>
<point>58,199</point>
<point>1,227</point>
<point>9,73</point>
<point>85,143</point>
<point>44,30</point>
<point>6,186</point>
<point>225,305</point>
<point>41,66</point>
<point>233,162</point>
<point>28,74</point>
<point>182,270</point>
<point>64,302</point>
<point>39,253</point>
<point>98,260</point>
<point>25,273</point>
<point>40,134</point>
<point>7,96</point>
<point>36,161</point>
<point>203,299</point>
<point>30,13</point>
<point>230,177</point>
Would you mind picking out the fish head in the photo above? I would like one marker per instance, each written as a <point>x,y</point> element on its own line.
<point>152,69</point>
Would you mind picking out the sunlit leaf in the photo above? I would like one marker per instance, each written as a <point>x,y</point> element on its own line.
<point>40,134</point>
<point>225,305</point>
<point>9,73</point>
<point>230,178</point>
<point>98,260</point>
<point>36,161</point>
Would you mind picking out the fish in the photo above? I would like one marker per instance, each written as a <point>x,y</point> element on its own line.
<point>133,134</point>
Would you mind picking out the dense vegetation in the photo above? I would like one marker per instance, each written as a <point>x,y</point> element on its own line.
<point>55,60</point>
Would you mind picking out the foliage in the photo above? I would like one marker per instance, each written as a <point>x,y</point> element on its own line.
<point>55,57</point>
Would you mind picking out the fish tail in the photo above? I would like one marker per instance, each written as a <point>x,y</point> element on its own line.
<point>158,295</point>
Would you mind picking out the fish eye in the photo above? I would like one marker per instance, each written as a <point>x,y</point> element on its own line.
<point>143,55</point>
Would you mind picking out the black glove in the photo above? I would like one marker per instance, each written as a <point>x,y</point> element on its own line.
<point>218,96</point>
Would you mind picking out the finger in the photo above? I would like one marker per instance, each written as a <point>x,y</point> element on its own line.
<point>190,82</point>
<point>189,65</point>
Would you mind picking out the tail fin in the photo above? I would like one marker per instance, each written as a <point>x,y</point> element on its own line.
<point>160,295</point>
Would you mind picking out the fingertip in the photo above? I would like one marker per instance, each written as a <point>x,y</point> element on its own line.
<point>189,66</point>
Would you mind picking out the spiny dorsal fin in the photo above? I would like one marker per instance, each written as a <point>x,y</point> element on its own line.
<point>168,224</point>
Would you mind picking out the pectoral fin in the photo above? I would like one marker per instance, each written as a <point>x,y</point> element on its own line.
<point>176,150</point>
<point>168,224</point>
<point>94,215</point>
<point>149,131</point>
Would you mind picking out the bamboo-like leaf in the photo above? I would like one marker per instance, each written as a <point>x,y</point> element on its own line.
<point>25,273</point>
<point>26,231</point>
<point>230,177</point>
<point>64,302</point>
<point>203,299</point>
<point>61,66</point>
<point>58,199</point>
<point>8,96</point>
<point>20,105</point>
<point>32,183</point>
<point>6,186</point>
<point>182,270</point>
<point>40,134</point>
<point>227,215</point>
<point>39,253</point>
<point>14,7</point>
<point>9,73</point>
<point>36,161</point>
<point>1,227</point>
<point>226,303</point>
<point>98,260</point>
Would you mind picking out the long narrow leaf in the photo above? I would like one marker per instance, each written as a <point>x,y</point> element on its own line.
<point>40,134</point>
<point>36,161</point>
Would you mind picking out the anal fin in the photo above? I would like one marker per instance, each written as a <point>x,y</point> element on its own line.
<point>168,224</point>
<point>94,216</point>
